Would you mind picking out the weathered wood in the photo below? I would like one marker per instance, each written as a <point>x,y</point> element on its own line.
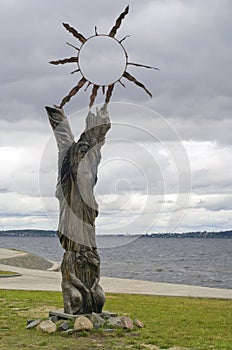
<point>77,176</point>
<point>118,22</point>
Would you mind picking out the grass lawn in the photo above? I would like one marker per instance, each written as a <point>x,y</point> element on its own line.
<point>8,273</point>
<point>169,321</point>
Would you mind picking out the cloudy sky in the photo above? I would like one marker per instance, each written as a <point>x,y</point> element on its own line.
<point>167,162</point>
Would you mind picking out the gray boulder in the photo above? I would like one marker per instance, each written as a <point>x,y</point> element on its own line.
<point>83,323</point>
<point>33,323</point>
<point>47,326</point>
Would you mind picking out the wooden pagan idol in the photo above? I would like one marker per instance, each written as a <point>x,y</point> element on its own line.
<point>78,165</point>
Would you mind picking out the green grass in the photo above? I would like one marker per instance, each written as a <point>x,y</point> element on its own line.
<point>169,321</point>
<point>8,273</point>
<point>17,250</point>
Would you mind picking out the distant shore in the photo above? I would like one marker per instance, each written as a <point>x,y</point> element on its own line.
<point>51,233</point>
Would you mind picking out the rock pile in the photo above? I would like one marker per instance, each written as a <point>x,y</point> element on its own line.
<point>61,322</point>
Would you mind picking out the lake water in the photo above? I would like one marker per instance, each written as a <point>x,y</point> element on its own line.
<point>202,262</point>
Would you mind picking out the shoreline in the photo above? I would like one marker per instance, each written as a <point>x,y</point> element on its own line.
<point>196,262</point>
<point>50,280</point>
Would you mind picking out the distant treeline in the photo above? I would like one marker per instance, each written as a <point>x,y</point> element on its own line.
<point>28,233</point>
<point>204,234</point>
<point>50,233</point>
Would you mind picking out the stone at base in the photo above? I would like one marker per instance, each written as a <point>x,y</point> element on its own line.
<point>139,324</point>
<point>61,315</point>
<point>107,321</point>
<point>115,322</point>
<point>47,326</point>
<point>54,318</point>
<point>96,319</point>
<point>63,326</point>
<point>83,323</point>
<point>33,323</point>
<point>97,325</point>
<point>108,314</point>
<point>127,322</point>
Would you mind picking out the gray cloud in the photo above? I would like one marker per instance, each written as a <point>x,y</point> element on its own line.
<point>190,41</point>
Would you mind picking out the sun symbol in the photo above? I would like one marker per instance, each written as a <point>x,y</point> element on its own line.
<point>114,59</point>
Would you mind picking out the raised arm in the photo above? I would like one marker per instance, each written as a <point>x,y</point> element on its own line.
<point>60,126</point>
<point>96,127</point>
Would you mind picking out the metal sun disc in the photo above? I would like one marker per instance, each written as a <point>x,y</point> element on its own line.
<point>102,60</point>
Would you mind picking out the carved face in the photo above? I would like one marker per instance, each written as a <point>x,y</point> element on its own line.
<point>80,149</point>
<point>83,148</point>
<point>81,260</point>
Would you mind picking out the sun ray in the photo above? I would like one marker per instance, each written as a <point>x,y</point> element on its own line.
<point>75,33</point>
<point>129,77</point>
<point>109,93</point>
<point>76,48</point>
<point>96,33</point>
<point>93,95</point>
<point>141,65</point>
<point>122,83</point>
<point>73,92</point>
<point>75,71</point>
<point>88,85</point>
<point>103,89</point>
<point>65,60</point>
<point>125,37</point>
<point>118,22</point>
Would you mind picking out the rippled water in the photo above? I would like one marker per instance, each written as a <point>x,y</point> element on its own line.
<point>203,262</point>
